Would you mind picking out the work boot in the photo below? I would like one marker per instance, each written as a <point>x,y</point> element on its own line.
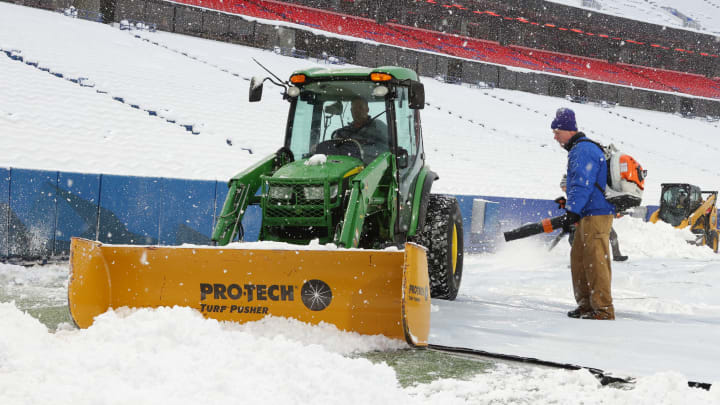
<point>598,315</point>
<point>620,258</point>
<point>578,312</point>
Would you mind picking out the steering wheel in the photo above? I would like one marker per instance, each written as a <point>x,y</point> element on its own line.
<point>343,133</point>
<point>341,141</point>
<point>339,146</point>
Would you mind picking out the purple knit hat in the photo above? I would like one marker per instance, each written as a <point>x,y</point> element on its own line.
<point>564,119</point>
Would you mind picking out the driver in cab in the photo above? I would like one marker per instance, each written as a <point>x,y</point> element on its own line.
<point>682,200</point>
<point>370,133</point>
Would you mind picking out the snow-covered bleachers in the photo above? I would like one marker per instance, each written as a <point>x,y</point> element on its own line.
<point>470,48</point>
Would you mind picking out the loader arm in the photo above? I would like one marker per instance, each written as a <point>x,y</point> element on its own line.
<point>241,193</point>
<point>365,193</point>
<point>702,210</point>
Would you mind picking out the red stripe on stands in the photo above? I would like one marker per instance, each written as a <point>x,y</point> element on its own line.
<point>474,48</point>
<point>578,31</point>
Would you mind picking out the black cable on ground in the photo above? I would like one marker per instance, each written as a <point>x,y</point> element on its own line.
<point>599,374</point>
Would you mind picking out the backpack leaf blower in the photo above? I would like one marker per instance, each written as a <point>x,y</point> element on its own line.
<point>547,225</point>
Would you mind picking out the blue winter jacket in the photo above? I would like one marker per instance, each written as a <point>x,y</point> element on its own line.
<point>586,167</point>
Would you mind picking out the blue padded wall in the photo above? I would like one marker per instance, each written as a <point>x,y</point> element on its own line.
<point>130,210</point>
<point>251,221</point>
<point>77,209</point>
<point>187,211</point>
<point>221,191</point>
<point>41,210</point>
<point>518,211</point>
<point>508,214</point>
<point>466,203</point>
<point>4,210</point>
<point>32,213</point>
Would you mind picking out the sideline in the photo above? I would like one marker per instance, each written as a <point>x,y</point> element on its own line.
<point>604,378</point>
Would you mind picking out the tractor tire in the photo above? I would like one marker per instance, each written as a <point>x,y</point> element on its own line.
<point>442,236</point>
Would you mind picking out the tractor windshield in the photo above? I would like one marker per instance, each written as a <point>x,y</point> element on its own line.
<point>675,204</point>
<point>340,118</point>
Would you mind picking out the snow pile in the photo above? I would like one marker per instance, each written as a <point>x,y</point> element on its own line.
<point>645,239</point>
<point>50,275</point>
<point>30,283</point>
<point>175,356</point>
<point>325,335</point>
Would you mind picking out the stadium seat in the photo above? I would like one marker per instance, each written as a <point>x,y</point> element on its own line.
<point>469,48</point>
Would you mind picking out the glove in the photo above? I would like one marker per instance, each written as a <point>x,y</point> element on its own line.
<point>565,221</point>
<point>561,202</point>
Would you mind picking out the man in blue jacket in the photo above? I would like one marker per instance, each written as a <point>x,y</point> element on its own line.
<point>586,205</point>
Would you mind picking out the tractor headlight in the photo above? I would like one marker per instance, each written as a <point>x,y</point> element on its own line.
<point>280,192</point>
<point>333,191</point>
<point>314,192</point>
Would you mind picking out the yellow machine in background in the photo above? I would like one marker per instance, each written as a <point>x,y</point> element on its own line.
<point>683,205</point>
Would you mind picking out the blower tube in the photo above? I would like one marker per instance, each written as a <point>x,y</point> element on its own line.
<point>546,225</point>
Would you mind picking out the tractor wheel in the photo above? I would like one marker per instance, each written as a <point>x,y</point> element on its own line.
<point>442,235</point>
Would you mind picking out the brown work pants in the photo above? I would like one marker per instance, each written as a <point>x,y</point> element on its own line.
<point>590,265</point>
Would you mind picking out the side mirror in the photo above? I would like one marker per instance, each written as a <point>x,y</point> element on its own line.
<point>256,87</point>
<point>335,108</point>
<point>417,95</point>
<point>402,158</point>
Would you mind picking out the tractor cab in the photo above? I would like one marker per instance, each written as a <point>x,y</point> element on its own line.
<point>345,123</point>
<point>678,201</point>
<point>353,113</point>
<point>348,118</point>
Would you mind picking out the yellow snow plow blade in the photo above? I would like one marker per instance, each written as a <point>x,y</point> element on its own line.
<point>365,291</point>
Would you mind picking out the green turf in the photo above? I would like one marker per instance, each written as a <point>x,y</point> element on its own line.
<point>419,366</point>
<point>51,316</point>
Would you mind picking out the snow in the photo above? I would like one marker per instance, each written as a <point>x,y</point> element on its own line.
<point>316,160</point>
<point>503,127</point>
<point>480,141</point>
<point>668,314</point>
<point>175,356</point>
<point>705,13</point>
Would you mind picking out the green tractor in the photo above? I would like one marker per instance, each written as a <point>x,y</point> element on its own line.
<point>351,172</point>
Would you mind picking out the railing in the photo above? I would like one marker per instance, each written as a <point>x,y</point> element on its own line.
<point>82,14</point>
<point>293,52</point>
<point>130,25</point>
